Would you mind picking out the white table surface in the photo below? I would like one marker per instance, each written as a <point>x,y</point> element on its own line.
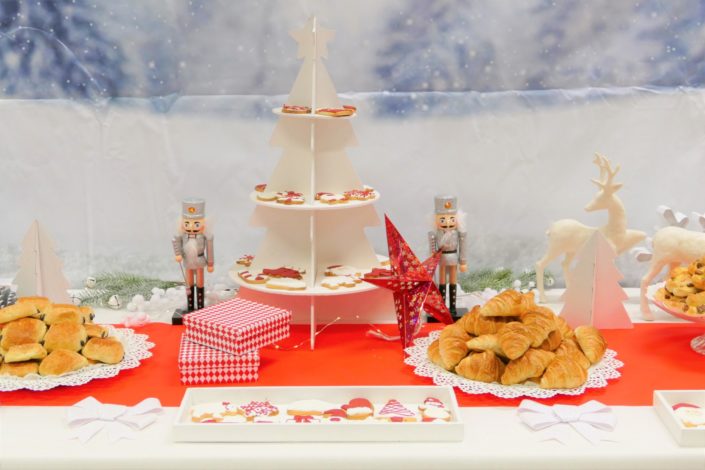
<point>35,437</point>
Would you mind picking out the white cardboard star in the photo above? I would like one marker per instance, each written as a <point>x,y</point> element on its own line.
<point>313,40</point>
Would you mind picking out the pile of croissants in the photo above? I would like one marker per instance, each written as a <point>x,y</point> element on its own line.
<point>511,340</point>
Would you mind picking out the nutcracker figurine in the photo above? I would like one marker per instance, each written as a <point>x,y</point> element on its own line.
<point>449,238</point>
<point>193,249</point>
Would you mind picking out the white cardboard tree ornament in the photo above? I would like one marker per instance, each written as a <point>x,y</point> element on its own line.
<point>41,270</point>
<point>594,296</point>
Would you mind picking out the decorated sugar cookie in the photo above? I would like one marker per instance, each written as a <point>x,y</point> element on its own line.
<point>245,260</point>
<point>334,282</point>
<point>335,415</point>
<point>343,270</point>
<point>433,409</point>
<point>284,271</point>
<point>293,109</point>
<point>331,198</point>
<point>252,278</point>
<point>378,272</point>
<point>395,412</point>
<point>308,408</point>
<point>259,408</point>
<point>261,187</point>
<point>267,196</point>
<point>359,408</point>
<point>290,198</point>
<point>285,283</point>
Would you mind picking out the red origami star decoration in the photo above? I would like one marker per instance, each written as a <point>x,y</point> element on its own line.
<point>412,284</point>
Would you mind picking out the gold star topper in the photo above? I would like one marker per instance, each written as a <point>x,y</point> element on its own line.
<point>313,40</point>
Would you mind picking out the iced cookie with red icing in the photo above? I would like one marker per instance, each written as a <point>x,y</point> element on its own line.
<point>283,271</point>
<point>331,198</point>
<point>433,409</point>
<point>245,260</point>
<point>261,187</point>
<point>252,278</point>
<point>378,272</point>
<point>692,416</point>
<point>259,408</point>
<point>395,412</point>
<point>290,198</point>
<point>335,415</point>
<point>359,408</point>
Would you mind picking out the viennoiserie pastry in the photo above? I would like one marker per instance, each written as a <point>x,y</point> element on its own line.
<point>62,361</point>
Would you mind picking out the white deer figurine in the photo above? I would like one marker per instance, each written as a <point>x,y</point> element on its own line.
<point>567,236</point>
<point>671,246</point>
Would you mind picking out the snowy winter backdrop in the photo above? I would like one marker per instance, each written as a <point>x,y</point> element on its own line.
<point>115,110</point>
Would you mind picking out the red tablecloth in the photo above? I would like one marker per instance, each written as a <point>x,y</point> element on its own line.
<point>656,356</point>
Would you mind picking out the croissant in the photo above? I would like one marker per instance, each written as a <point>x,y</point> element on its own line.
<point>486,343</point>
<point>509,303</point>
<point>553,341</point>
<point>434,354</point>
<point>563,372</point>
<point>531,364</point>
<point>475,324</point>
<point>570,348</point>
<point>451,344</point>
<point>562,325</point>
<point>484,367</point>
<point>514,339</point>
<point>539,325</point>
<point>591,342</point>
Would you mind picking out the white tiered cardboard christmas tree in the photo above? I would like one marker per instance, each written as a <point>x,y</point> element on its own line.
<point>313,235</point>
<point>41,271</point>
<point>594,296</point>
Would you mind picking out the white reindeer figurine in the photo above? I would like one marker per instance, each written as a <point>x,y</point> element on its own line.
<point>567,236</point>
<point>671,246</point>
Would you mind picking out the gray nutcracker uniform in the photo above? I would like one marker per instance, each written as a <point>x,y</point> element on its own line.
<point>196,250</point>
<point>452,246</point>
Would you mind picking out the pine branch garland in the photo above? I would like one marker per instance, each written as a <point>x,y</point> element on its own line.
<point>124,285</point>
<point>499,279</point>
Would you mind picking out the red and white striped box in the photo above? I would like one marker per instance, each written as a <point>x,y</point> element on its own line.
<point>237,326</point>
<point>202,365</point>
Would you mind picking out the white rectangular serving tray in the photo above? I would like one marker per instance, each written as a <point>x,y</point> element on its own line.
<point>184,430</point>
<point>663,404</point>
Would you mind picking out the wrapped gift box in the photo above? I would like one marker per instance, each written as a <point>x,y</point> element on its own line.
<point>237,326</point>
<point>203,365</point>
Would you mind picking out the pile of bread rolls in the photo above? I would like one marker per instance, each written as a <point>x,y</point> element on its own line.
<point>511,340</point>
<point>39,337</point>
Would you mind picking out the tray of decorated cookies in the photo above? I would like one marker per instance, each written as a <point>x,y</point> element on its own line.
<point>317,414</point>
<point>510,347</point>
<point>45,345</point>
<point>683,293</point>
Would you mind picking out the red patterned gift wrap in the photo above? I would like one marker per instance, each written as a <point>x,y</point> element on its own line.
<point>202,365</point>
<point>237,326</point>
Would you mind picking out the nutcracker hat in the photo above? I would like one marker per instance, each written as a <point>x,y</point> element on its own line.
<point>193,208</point>
<point>446,204</point>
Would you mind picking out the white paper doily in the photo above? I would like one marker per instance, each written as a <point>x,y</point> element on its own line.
<point>136,348</point>
<point>418,357</point>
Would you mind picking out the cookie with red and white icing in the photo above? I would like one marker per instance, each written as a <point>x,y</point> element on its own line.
<point>335,112</point>
<point>259,408</point>
<point>691,417</point>
<point>245,260</point>
<point>283,271</point>
<point>252,278</point>
<point>331,198</point>
<point>360,194</point>
<point>335,415</point>
<point>294,109</point>
<point>261,187</point>
<point>267,196</point>
<point>308,408</point>
<point>213,412</point>
<point>285,283</point>
<point>359,408</point>
<point>343,270</point>
<point>378,272</point>
<point>334,282</point>
<point>395,412</point>
<point>433,409</point>
<point>290,198</point>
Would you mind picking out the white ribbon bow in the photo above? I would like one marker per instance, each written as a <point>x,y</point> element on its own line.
<point>89,416</point>
<point>589,420</point>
